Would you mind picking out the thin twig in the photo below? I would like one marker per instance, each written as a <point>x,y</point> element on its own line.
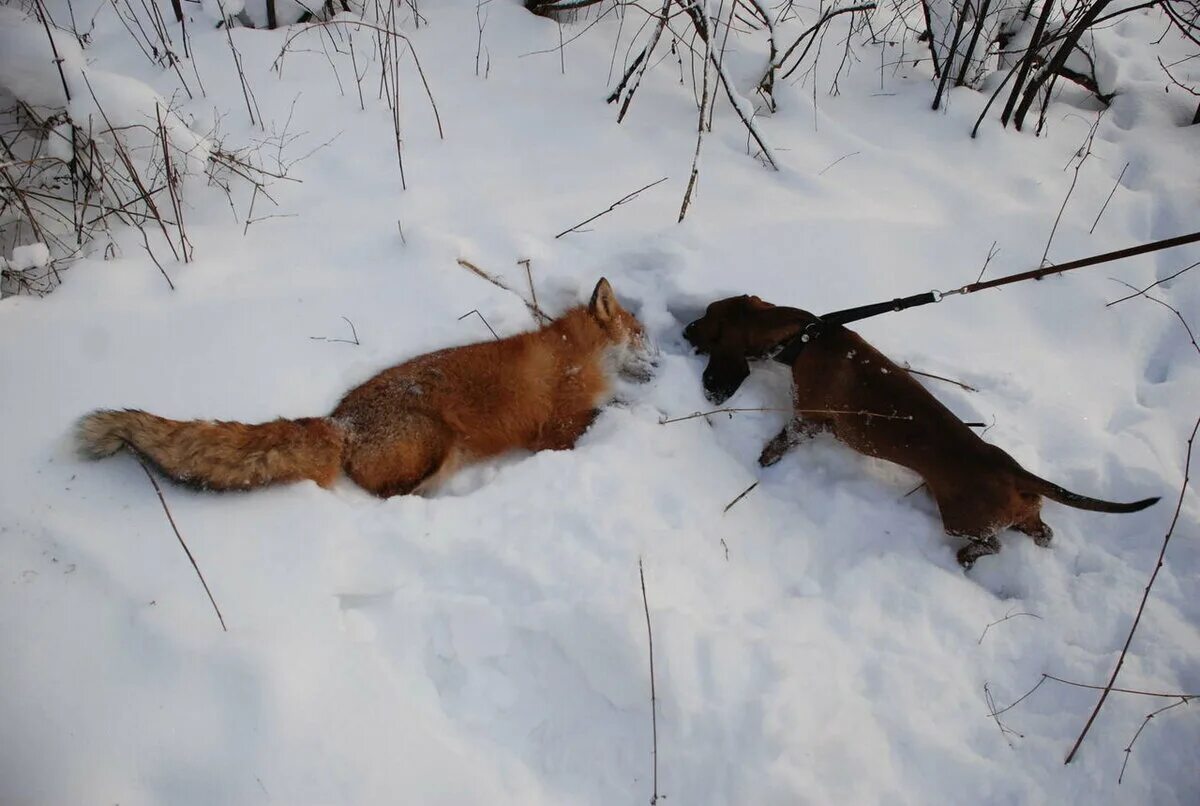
<point>484,320</point>
<point>1172,309</point>
<point>653,697</point>
<point>1160,694</point>
<point>1116,185</point>
<point>352,340</point>
<point>179,537</point>
<point>733,411</point>
<point>992,252</point>
<point>1020,699</point>
<point>611,207</point>
<point>536,312</point>
<point>1001,621</point>
<point>836,161</point>
<point>1138,293</point>
<point>1145,722</point>
<point>1005,731</point>
<point>741,495</point>
<point>959,384</point>
<point>380,30</point>
<point>1084,152</point>
<point>694,175</point>
<point>1145,596</point>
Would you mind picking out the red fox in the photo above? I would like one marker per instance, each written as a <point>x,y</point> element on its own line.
<point>411,426</point>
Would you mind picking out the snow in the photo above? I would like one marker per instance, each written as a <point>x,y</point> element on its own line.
<point>34,255</point>
<point>100,101</point>
<point>816,643</point>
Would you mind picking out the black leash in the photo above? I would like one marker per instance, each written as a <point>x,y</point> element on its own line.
<point>789,350</point>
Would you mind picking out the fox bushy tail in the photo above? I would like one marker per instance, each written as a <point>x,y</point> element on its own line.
<point>219,455</point>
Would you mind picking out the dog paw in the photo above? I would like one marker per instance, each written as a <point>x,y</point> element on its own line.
<point>769,457</point>
<point>971,552</point>
<point>966,559</point>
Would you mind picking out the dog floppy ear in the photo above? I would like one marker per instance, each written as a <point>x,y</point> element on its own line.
<point>723,375</point>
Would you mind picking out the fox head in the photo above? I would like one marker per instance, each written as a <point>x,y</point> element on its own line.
<point>628,345</point>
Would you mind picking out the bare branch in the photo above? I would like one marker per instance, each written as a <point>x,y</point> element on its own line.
<point>1145,596</point>
<point>179,537</point>
<point>627,197</point>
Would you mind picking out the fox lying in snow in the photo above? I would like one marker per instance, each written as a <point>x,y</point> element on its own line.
<point>411,426</point>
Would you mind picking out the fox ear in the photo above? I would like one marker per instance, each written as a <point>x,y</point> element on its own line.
<point>604,302</point>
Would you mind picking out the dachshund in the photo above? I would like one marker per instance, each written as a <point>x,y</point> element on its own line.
<point>844,386</point>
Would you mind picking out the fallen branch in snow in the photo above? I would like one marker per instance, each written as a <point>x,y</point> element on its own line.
<point>179,537</point>
<point>959,384</point>
<point>484,320</point>
<point>1005,731</point>
<point>1159,694</point>
<point>1139,292</point>
<point>1169,307</point>
<point>611,207</point>
<point>537,313</point>
<point>1116,185</point>
<point>1020,699</point>
<point>653,697</point>
<point>1001,621</point>
<point>535,309</point>
<point>730,412</point>
<point>836,161</point>
<point>352,340</point>
<point>1045,676</point>
<point>741,495</point>
<point>1145,596</point>
<point>1145,722</point>
<point>734,411</point>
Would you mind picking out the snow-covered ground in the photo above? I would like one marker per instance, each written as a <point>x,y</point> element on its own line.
<point>817,643</point>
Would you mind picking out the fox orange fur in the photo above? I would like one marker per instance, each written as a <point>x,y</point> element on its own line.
<point>411,425</point>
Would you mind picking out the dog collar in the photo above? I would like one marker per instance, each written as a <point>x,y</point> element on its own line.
<point>787,351</point>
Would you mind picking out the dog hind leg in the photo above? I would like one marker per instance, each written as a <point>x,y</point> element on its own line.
<point>1036,528</point>
<point>978,547</point>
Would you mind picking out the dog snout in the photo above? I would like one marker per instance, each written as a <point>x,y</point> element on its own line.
<point>716,391</point>
<point>693,337</point>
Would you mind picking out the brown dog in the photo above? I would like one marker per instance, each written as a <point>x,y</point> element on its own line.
<point>980,490</point>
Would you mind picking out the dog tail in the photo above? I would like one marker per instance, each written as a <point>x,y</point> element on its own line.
<point>1064,496</point>
<point>219,455</point>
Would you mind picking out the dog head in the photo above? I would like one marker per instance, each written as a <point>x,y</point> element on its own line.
<point>735,330</point>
